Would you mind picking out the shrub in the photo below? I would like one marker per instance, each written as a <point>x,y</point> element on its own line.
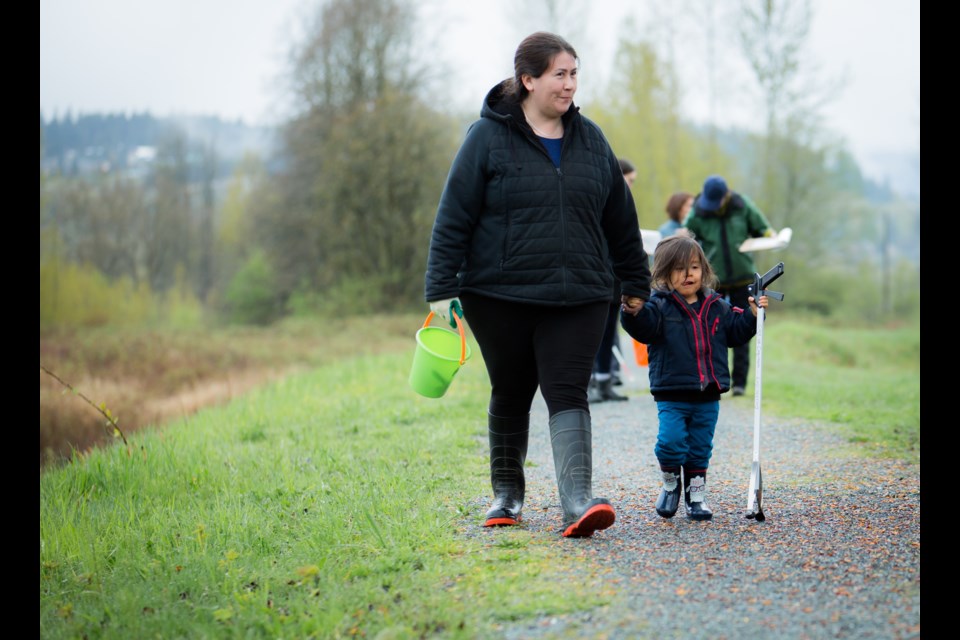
<point>251,295</point>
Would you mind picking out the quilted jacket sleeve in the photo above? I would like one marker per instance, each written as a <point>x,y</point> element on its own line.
<point>460,205</point>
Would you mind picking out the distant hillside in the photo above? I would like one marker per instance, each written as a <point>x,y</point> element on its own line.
<point>899,171</point>
<point>103,143</point>
<point>107,143</point>
<point>880,177</point>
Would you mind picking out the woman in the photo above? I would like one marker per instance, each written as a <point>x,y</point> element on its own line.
<point>533,208</point>
<point>678,206</point>
<point>605,365</point>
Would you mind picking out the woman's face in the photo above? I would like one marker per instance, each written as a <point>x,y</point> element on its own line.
<point>552,93</point>
<point>685,209</point>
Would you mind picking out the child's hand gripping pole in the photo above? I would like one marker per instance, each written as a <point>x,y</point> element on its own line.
<point>755,491</point>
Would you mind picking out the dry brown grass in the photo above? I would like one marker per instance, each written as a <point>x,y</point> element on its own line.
<point>149,377</point>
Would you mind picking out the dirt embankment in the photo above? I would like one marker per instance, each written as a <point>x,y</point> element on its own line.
<point>146,377</point>
<point>68,421</point>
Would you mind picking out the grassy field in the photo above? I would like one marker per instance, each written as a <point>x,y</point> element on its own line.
<point>863,383</point>
<point>334,502</point>
<point>153,376</point>
<point>325,505</point>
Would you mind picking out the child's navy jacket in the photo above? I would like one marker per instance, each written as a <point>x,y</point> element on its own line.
<point>686,346</point>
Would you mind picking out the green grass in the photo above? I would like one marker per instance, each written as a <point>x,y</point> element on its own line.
<point>863,383</point>
<point>148,375</point>
<point>331,504</point>
<point>339,504</point>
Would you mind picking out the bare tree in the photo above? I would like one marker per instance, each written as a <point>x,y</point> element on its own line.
<point>355,50</point>
<point>365,157</point>
<point>166,226</point>
<point>98,224</point>
<point>568,18</point>
<point>641,118</point>
<point>204,276</point>
<point>773,38</point>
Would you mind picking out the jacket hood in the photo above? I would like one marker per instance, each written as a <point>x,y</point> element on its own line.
<point>502,108</point>
<point>735,202</point>
<point>497,106</point>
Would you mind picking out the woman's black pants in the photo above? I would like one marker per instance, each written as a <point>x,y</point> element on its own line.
<point>525,346</point>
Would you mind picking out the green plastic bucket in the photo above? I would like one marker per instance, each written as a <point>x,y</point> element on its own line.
<point>440,354</point>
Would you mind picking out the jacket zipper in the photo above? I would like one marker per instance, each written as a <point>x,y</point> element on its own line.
<point>708,356</point>
<point>563,232</point>
<point>697,336</point>
<point>563,226</point>
<point>701,332</point>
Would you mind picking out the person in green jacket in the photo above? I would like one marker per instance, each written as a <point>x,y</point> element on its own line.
<point>721,219</point>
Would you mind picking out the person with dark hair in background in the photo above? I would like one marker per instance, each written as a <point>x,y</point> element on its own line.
<point>605,365</point>
<point>629,171</point>
<point>721,219</point>
<point>678,206</point>
<point>533,208</point>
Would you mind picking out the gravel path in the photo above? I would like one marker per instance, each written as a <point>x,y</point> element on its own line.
<point>837,557</point>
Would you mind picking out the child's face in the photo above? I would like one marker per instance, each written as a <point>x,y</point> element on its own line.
<point>686,280</point>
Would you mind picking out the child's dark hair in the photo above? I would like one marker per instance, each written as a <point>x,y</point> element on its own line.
<point>679,251</point>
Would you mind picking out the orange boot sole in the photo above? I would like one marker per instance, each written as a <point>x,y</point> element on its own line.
<point>596,518</point>
<point>501,522</point>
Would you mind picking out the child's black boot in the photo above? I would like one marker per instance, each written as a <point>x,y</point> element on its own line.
<point>669,499</point>
<point>695,494</point>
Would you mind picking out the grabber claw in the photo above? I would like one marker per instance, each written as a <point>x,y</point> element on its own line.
<point>755,495</point>
<point>755,492</point>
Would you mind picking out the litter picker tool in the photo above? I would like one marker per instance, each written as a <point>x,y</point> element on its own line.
<point>755,491</point>
<point>623,365</point>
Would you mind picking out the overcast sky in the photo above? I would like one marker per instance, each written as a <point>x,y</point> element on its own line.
<point>223,57</point>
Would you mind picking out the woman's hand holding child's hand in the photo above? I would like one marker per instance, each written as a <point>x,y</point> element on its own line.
<point>631,304</point>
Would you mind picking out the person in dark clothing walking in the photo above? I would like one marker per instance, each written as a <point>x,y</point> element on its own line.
<point>534,207</point>
<point>605,365</point>
<point>687,327</point>
<point>721,220</point>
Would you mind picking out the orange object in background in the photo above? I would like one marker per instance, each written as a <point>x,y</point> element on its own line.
<point>640,351</point>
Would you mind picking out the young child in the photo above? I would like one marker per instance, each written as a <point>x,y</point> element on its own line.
<point>688,328</point>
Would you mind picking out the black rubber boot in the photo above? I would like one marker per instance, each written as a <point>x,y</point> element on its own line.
<point>669,500</point>
<point>508,451</point>
<point>607,392</point>
<point>570,436</point>
<point>695,494</point>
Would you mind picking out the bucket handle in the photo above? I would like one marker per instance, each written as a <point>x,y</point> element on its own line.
<point>463,337</point>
